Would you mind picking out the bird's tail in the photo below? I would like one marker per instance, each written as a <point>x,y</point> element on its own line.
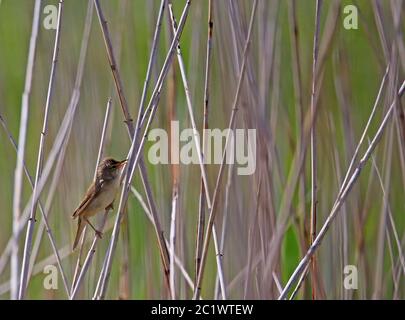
<point>80,227</point>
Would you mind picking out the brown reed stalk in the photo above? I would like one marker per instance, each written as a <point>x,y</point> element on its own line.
<point>172,242</point>
<point>314,185</point>
<point>297,82</point>
<point>201,209</point>
<point>190,109</point>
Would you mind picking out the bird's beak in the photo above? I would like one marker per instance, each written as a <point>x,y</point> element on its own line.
<point>121,163</point>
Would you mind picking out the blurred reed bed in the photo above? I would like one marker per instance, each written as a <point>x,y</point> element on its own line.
<point>327,107</point>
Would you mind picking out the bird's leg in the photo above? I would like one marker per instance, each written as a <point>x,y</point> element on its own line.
<point>98,233</point>
<point>110,206</point>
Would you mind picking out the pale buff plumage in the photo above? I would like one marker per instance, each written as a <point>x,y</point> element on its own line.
<point>100,195</point>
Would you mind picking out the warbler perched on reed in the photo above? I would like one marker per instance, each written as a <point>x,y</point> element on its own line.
<point>100,195</point>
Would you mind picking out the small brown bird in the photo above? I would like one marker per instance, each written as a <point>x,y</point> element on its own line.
<point>100,195</point>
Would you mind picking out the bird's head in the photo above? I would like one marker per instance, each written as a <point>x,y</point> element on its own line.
<point>109,169</point>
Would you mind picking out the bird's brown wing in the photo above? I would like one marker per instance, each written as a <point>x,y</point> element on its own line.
<point>92,192</point>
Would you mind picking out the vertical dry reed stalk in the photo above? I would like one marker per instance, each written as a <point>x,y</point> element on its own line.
<point>201,211</point>
<point>171,99</point>
<point>172,243</point>
<point>31,222</point>
<point>190,108</point>
<point>314,186</point>
<point>18,183</point>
